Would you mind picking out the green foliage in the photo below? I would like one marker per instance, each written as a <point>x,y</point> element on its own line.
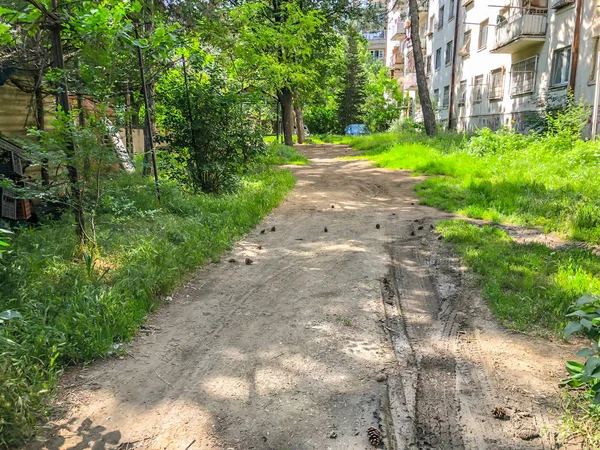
<point>383,99</point>
<point>529,287</point>
<point>585,319</point>
<point>278,154</point>
<point>74,311</point>
<point>3,240</point>
<point>351,95</point>
<point>321,118</point>
<point>565,125</point>
<point>212,148</point>
<point>488,142</point>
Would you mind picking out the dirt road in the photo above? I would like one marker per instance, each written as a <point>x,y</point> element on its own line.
<point>338,325</point>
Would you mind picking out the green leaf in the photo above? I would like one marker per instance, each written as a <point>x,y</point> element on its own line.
<point>586,352</point>
<point>585,300</point>
<point>585,323</point>
<point>573,367</point>
<point>572,327</point>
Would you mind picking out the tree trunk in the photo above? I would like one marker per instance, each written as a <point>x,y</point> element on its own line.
<point>128,122</point>
<point>299,123</point>
<point>148,139</point>
<point>150,94</point>
<point>426,106</point>
<point>63,102</point>
<point>40,124</point>
<point>285,98</point>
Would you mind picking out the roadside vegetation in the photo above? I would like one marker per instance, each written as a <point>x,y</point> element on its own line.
<point>546,180</point>
<point>75,310</point>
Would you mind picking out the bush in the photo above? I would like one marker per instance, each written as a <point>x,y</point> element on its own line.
<point>211,153</point>
<point>488,142</point>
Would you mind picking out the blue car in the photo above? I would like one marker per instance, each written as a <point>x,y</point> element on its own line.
<point>356,129</point>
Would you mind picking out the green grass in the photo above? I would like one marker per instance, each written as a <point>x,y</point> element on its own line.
<point>529,287</point>
<point>537,184</point>
<point>279,154</point>
<point>73,315</point>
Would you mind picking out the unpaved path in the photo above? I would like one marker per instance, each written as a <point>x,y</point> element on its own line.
<point>324,335</point>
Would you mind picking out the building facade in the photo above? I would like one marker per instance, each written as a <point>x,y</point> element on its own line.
<point>502,63</point>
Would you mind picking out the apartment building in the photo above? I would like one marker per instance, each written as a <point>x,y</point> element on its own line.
<point>494,63</point>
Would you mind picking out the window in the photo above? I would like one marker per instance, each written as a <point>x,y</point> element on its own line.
<point>483,34</point>
<point>465,50</point>
<point>522,76</point>
<point>594,61</point>
<point>376,54</point>
<point>561,66</point>
<point>438,58</point>
<point>478,89</point>
<point>446,98</point>
<point>449,48</point>
<point>451,7</point>
<point>436,97</point>
<point>428,64</point>
<point>462,93</point>
<point>431,25</point>
<point>441,18</point>
<point>496,91</point>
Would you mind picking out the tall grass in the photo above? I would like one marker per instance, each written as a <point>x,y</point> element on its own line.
<point>531,181</point>
<point>529,287</point>
<point>74,313</point>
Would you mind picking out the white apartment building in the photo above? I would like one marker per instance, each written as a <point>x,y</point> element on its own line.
<point>503,62</point>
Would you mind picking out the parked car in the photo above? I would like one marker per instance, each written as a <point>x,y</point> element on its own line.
<point>356,129</point>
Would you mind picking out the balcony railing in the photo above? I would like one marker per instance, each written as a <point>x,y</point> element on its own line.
<point>374,35</point>
<point>520,31</point>
<point>399,31</point>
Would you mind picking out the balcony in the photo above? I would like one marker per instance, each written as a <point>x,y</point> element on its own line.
<point>521,31</point>
<point>397,62</point>
<point>398,31</point>
<point>375,38</point>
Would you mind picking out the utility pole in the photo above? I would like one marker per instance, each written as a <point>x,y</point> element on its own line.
<point>147,115</point>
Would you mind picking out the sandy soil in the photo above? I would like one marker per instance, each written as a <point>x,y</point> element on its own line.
<point>326,333</point>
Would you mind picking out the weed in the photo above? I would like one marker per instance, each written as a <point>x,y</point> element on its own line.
<point>347,322</point>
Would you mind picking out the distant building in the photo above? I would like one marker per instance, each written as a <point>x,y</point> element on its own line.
<point>501,63</point>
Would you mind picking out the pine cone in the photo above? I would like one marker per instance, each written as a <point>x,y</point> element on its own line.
<point>500,413</point>
<point>375,437</point>
<point>378,226</point>
<point>248,261</point>
<point>262,231</point>
<point>273,228</point>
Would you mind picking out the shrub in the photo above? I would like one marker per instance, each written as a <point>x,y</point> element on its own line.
<point>488,142</point>
<point>210,150</point>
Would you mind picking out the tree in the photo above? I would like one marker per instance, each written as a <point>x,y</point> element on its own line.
<point>426,106</point>
<point>351,97</point>
<point>383,98</point>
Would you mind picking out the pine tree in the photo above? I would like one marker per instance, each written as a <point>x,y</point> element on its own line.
<point>351,97</point>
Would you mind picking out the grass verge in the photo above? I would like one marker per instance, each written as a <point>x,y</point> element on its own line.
<point>529,287</point>
<point>280,154</point>
<point>74,313</point>
<point>537,182</point>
